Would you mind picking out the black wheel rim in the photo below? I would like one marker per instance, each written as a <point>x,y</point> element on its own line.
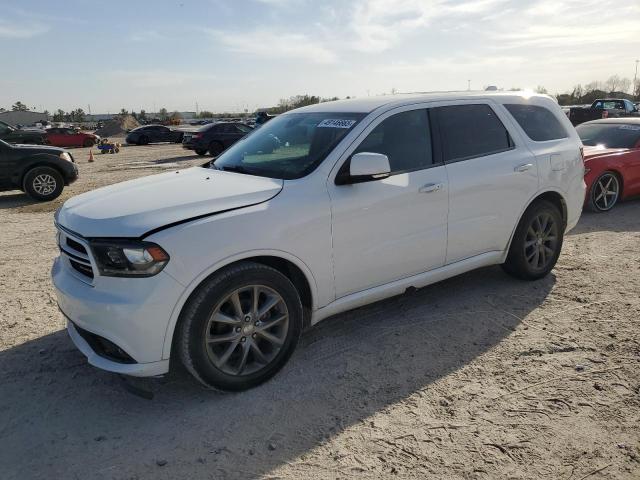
<point>541,242</point>
<point>605,192</point>
<point>247,330</point>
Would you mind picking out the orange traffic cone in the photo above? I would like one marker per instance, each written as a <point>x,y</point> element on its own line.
<point>90,156</point>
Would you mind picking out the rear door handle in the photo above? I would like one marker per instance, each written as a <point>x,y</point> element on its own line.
<point>524,167</point>
<point>430,187</point>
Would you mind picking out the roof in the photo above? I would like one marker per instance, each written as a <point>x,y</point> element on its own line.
<point>369,104</point>
<point>619,121</point>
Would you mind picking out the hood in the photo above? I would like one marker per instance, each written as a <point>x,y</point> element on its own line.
<point>133,208</point>
<point>29,148</point>
<point>591,152</point>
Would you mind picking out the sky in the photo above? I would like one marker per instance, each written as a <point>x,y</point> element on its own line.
<point>245,54</point>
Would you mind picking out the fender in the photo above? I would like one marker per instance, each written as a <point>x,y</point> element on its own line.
<point>177,309</point>
<point>36,160</point>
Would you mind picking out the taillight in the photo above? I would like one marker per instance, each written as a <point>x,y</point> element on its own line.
<point>197,135</point>
<point>605,114</point>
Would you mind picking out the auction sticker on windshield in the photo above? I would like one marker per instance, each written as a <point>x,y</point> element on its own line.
<point>336,123</point>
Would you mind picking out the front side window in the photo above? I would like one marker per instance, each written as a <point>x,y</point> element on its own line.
<point>405,138</point>
<point>289,146</point>
<point>469,131</point>
<point>537,122</point>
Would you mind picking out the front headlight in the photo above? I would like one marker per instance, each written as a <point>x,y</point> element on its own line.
<point>65,156</point>
<point>128,258</point>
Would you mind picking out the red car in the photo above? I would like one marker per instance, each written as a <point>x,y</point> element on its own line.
<point>71,137</point>
<point>612,161</point>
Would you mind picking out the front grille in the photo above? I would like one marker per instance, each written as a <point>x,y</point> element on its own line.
<point>82,268</point>
<point>76,253</point>
<point>105,348</point>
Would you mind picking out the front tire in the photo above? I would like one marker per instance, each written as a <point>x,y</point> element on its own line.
<point>143,140</point>
<point>537,242</point>
<point>201,152</point>
<point>43,183</point>
<point>88,142</point>
<point>240,327</point>
<point>605,192</point>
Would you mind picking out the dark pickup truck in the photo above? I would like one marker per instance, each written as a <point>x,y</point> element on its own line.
<point>11,134</point>
<point>603,108</point>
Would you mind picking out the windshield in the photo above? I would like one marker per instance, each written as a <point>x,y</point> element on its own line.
<point>608,104</point>
<point>289,146</point>
<point>609,135</point>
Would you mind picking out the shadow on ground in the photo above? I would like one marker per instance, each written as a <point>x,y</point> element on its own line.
<point>15,200</point>
<point>624,217</point>
<point>79,422</point>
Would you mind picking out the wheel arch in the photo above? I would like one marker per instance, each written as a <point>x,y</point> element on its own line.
<point>290,266</point>
<point>555,197</point>
<point>42,162</point>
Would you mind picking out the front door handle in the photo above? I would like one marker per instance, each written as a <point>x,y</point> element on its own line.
<point>524,167</point>
<point>430,187</point>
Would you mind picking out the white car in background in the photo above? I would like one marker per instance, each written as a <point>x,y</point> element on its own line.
<point>323,209</point>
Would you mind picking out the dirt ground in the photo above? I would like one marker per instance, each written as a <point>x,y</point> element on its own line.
<point>480,376</point>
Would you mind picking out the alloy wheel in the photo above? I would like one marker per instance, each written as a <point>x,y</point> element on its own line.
<point>606,191</point>
<point>44,184</point>
<point>541,241</point>
<point>247,330</point>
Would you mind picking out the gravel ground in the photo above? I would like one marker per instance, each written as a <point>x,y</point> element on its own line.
<point>480,376</point>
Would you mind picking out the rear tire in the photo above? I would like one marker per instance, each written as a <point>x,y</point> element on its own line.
<point>231,338</point>
<point>43,183</point>
<point>201,152</point>
<point>537,242</point>
<point>215,148</point>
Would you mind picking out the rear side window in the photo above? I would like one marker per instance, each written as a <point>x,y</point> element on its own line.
<point>404,138</point>
<point>537,122</point>
<point>469,131</point>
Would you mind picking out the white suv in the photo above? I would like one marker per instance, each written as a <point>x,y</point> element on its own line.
<point>323,209</point>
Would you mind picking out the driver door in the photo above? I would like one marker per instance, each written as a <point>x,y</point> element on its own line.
<point>396,227</point>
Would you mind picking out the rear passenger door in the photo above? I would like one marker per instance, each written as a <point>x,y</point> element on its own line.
<point>492,175</point>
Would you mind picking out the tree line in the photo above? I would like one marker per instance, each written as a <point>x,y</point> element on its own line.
<point>614,86</point>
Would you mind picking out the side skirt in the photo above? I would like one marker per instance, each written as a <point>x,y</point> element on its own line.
<point>398,287</point>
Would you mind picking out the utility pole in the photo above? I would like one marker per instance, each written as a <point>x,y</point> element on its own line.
<point>468,84</point>
<point>635,78</point>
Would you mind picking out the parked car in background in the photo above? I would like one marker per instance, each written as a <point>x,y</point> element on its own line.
<point>11,134</point>
<point>154,134</point>
<point>215,138</point>
<point>221,267</point>
<point>40,171</point>
<point>603,108</point>
<point>71,137</point>
<point>612,161</point>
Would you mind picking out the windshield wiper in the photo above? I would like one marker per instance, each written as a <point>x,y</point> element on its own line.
<point>237,169</point>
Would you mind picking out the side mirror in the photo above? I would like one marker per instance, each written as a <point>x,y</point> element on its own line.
<point>365,167</point>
